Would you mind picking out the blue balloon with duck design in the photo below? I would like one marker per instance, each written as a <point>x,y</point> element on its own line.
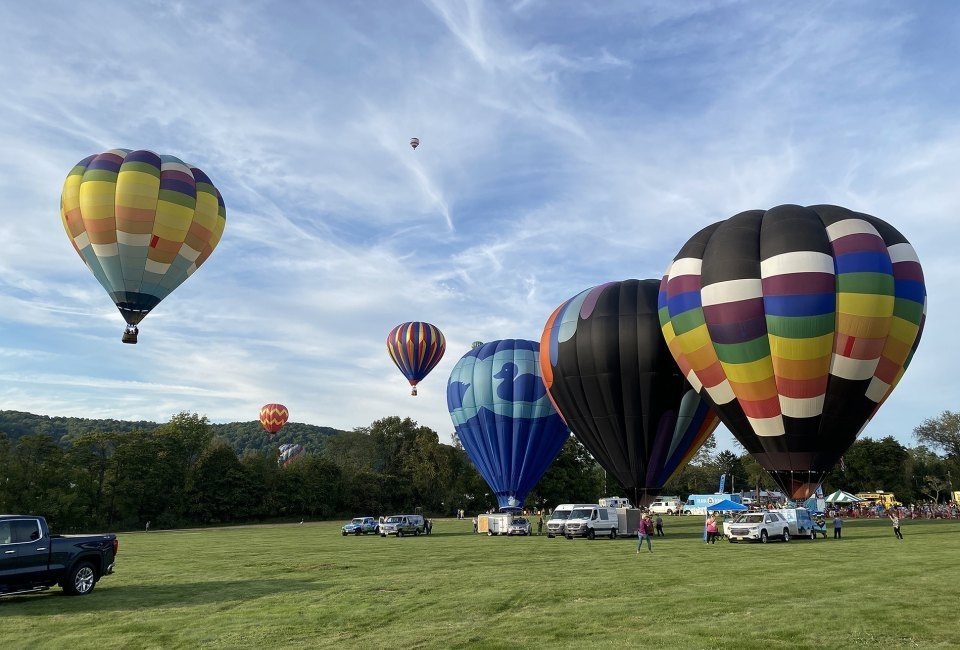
<point>504,417</point>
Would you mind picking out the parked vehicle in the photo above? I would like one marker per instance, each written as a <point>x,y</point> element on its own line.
<point>697,503</point>
<point>590,521</point>
<point>557,522</point>
<point>360,526</point>
<point>519,526</point>
<point>662,507</point>
<point>757,527</point>
<point>401,525</point>
<point>32,560</point>
<point>498,523</point>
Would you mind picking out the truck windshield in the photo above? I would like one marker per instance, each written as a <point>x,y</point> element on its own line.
<point>581,513</point>
<point>393,520</point>
<point>561,514</point>
<point>357,521</point>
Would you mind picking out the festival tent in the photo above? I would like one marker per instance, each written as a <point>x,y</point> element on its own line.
<point>841,497</point>
<point>726,505</point>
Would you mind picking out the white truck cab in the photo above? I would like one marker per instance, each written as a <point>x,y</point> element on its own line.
<point>590,521</point>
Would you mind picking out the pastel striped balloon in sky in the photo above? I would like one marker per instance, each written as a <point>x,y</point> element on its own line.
<point>142,223</point>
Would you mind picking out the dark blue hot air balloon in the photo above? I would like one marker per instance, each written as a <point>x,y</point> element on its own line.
<point>503,417</point>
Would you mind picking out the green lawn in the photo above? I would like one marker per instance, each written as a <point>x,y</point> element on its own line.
<point>307,586</point>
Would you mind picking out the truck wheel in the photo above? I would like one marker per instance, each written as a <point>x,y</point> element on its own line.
<point>613,533</point>
<point>344,533</point>
<point>591,534</point>
<point>357,533</point>
<point>81,580</point>
<point>399,533</point>
<point>549,536</point>
<point>669,512</point>
<point>383,534</point>
<point>763,537</point>
<point>786,535</point>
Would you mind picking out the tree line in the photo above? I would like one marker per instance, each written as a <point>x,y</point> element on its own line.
<point>110,475</point>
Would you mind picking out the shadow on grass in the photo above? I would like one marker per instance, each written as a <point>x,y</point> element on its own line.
<point>131,597</point>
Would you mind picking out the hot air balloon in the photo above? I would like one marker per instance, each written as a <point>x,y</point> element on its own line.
<point>142,223</point>
<point>414,142</point>
<point>475,345</point>
<point>796,323</point>
<point>273,417</point>
<point>611,377</point>
<point>290,453</point>
<point>416,348</point>
<point>503,417</point>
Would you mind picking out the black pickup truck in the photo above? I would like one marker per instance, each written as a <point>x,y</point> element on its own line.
<point>31,559</point>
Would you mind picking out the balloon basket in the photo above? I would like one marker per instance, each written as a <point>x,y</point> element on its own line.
<point>413,391</point>
<point>129,336</point>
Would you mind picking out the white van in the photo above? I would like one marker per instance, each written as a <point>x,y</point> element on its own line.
<point>590,521</point>
<point>556,523</point>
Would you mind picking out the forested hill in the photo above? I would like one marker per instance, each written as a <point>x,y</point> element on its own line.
<point>242,436</point>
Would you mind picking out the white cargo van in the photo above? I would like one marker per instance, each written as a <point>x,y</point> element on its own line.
<point>590,521</point>
<point>557,521</point>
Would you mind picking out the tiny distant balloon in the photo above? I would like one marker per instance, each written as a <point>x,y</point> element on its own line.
<point>142,223</point>
<point>475,345</point>
<point>415,348</point>
<point>273,417</point>
<point>414,142</point>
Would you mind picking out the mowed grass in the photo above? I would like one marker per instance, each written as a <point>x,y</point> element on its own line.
<point>307,586</point>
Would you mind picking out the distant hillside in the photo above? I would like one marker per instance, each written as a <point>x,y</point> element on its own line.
<point>242,436</point>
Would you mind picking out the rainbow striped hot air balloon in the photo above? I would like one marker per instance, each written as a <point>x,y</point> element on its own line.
<point>142,223</point>
<point>415,348</point>
<point>796,323</point>
<point>273,417</point>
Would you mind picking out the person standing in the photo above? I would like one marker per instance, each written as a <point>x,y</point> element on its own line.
<point>645,531</point>
<point>540,524</point>
<point>712,529</point>
<point>659,526</point>
<point>837,526</point>
<point>896,524</point>
<point>474,524</point>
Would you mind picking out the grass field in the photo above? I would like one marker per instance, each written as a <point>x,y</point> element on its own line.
<point>307,586</point>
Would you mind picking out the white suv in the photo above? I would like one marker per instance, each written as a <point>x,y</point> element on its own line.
<point>757,527</point>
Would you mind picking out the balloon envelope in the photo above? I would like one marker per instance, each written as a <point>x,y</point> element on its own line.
<point>796,323</point>
<point>142,223</point>
<point>503,417</point>
<point>415,348</point>
<point>273,417</point>
<point>612,378</point>
<point>289,453</point>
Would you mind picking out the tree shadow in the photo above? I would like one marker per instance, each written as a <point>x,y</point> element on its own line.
<point>131,597</point>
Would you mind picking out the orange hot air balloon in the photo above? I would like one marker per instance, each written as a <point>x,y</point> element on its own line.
<point>273,417</point>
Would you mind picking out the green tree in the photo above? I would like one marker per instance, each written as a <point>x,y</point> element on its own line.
<point>218,488</point>
<point>942,432</point>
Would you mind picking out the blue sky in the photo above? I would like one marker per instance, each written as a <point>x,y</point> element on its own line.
<point>563,144</point>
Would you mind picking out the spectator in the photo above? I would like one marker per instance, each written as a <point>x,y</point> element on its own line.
<point>837,526</point>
